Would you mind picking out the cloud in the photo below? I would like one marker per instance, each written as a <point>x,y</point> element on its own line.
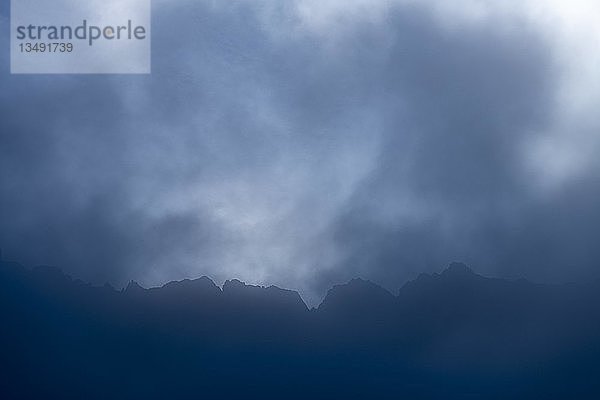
<point>305,143</point>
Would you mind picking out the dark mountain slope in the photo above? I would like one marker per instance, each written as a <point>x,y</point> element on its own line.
<point>449,335</point>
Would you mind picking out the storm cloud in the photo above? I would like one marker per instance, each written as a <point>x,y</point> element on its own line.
<point>305,143</point>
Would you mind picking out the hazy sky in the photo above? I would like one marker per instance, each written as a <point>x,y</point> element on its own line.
<point>303,143</point>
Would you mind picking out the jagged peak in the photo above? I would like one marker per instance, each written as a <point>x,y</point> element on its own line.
<point>234,284</point>
<point>357,289</point>
<point>359,284</point>
<point>234,288</point>
<point>278,289</point>
<point>203,282</point>
<point>133,286</point>
<point>458,268</point>
<point>455,272</point>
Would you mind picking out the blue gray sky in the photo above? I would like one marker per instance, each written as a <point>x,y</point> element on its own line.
<point>306,142</point>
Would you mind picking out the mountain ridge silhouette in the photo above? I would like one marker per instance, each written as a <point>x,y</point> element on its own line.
<point>454,269</point>
<point>452,335</point>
